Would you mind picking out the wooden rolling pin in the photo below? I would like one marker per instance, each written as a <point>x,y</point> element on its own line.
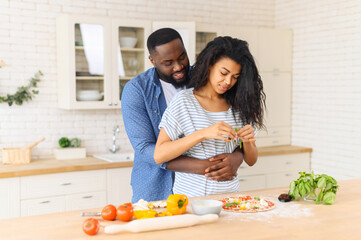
<point>160,223</point>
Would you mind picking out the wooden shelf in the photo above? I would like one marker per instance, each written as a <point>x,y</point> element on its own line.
<point>121,49</point>
<point>127,78</point>
<point>92,78</point>
<point>132,49</point>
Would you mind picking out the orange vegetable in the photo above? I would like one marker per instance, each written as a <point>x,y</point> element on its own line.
<point>177,204</point>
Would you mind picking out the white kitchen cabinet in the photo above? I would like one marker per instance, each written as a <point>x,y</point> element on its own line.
<point>57,192</point>
<point>204,34</point>
<point>85,200</point>
<point>39,206</point>
<point>9,198</point>
<point>119,189</point>
<point>187,30</point>
<point>96,57</point>
<point>273,171</point>
<point>277,117</point>
<point>274,50</point>
<point>274,60</point>
<point>248,34</point>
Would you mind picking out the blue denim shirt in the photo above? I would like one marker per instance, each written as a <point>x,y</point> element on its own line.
<point>143,104</point>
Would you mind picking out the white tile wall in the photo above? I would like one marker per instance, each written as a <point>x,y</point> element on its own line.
<point>326,99</point>
<point>27,44</point>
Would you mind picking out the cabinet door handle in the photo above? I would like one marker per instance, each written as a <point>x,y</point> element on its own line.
<point>66,184</point>
<point>44,202</point>
<point>90,196</point>
<point>288,163</point>
<point>110,104</point>
<point>116,104</point>
<point>288,175</point>
<point>275,141</point>
<point>274,131</point>
<point>241,180</point>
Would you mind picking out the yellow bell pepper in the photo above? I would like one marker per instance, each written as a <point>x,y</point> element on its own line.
<point>141,214</point>
<point>164,214</point>
<point>177,204</point>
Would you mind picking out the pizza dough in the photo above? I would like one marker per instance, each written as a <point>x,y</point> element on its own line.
<point>246,204</point>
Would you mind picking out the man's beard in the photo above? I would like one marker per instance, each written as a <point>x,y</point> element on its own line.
<point>171,80</point>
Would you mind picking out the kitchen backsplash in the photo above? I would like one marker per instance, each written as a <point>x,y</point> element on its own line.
<point>28,44</point>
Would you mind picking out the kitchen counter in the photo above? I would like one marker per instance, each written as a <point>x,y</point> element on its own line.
<point>293,220</point>
<point>46,166</point>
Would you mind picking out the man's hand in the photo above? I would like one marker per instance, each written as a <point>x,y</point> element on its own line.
<point>225,166</point>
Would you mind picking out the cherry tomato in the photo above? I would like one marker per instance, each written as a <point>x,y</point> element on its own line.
<point>91,226</point>
<point>125,212</point>
<point>109,212</point>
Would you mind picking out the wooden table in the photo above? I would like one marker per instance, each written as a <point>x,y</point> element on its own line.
<point>294,220</point>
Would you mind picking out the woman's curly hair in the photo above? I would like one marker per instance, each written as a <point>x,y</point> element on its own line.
<point>246,97</point>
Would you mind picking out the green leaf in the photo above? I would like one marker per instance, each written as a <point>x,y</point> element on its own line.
<point>319,197</point>
<point>302,189</point>
<point>24,93</point>
<point>292,188</point>
<point>321,183</point>
<point>231,204</point>
<point>329,198</point>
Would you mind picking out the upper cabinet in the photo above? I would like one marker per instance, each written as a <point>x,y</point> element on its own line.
<point>96,57</point>
<point>275,50</point>
<point>186,30</point>
<point>204,34</point>
<point>248,34</point>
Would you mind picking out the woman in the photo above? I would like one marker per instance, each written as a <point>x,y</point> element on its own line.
<point>226,93</point>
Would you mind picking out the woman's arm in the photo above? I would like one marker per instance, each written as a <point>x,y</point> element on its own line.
<point>250,150</point>
<point>166,149</point>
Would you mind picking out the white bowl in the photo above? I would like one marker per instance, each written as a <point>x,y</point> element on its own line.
<point>127,42</point>
<point>202,207</point>
<point>89,95</point>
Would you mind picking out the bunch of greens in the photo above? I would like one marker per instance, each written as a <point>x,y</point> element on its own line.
<point>24,93</point>
<point>65,142</point>
<point>308,184</point>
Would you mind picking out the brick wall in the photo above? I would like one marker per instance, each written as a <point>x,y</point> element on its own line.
<point>326,101</point>
<point>27,44</point>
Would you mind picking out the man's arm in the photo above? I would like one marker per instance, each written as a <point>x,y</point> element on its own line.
<point>137,123</point>
<point>220,168</point>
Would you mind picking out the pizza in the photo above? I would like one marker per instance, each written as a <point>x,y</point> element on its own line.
<point>246,204</point>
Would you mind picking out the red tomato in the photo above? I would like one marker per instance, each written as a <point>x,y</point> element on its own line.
<point>91,226</point>
<point>109,212</point>
<point>125,212</point>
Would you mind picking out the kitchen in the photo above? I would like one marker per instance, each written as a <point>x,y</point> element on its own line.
<point>324,93</point>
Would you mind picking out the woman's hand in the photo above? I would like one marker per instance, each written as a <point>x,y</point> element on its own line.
<point>246,133</point>
<point>218,131</point>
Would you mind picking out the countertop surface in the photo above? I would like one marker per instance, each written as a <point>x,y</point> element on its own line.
<point>293,220</point>
<point>46,166</point>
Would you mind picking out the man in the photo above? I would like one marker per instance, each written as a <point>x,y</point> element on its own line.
<point>144,100</point>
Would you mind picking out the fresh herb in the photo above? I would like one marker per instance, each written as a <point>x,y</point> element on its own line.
<point>231,204</point>
<point>64,142</point>
<point>75,142</point>
<point>257,198</point>
<point>308,184</point>
<point>24,93</point>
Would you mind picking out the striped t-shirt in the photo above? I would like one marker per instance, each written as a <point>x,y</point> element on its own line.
<point>184,116</point>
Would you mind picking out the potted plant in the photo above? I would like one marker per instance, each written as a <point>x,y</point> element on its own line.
<point>319,188</point>
<point>69,149</point>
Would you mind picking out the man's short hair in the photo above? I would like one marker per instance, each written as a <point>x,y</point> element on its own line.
<point>160,37</point>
